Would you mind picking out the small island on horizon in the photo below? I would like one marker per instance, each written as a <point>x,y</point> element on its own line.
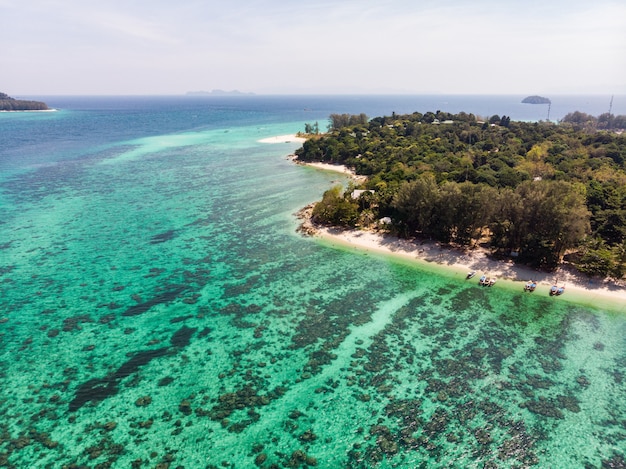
<point>536,100</point>
<point>218,93</point>
<point>7,103</point>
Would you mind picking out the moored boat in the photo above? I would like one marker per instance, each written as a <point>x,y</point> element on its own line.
<point>471,274</point>
<point>530,286</point>
<point>482,280</point>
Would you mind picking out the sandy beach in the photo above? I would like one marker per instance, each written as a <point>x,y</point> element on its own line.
<point>456,263</point>
<point>291,138</point>
<point>336,168</point>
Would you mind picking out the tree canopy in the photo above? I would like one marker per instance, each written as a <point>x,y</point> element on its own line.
<point>539,190</point>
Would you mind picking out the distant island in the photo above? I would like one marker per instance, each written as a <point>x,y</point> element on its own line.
<point>536,100</point>
<point>7,103</point>
<point>218,93</point>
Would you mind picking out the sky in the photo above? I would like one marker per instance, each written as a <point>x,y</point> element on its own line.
<point>165,47</point>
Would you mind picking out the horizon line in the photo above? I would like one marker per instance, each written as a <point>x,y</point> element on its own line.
<point>253,94</point>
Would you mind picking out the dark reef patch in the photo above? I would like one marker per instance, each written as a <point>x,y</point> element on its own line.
<point>98,389</point>
<point>162,237</point>
<point>182,336</point>
<point>181,318</point>
<point>166,297</point>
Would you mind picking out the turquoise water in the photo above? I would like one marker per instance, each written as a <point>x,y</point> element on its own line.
<point>158,309</point>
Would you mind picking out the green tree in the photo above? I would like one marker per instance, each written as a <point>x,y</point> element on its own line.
<point>414,203</point>
<point>552,219</point>
<point>336,208</point>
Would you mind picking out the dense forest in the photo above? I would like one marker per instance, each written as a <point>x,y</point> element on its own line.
<point>10,104</point>
<point>539,192</point>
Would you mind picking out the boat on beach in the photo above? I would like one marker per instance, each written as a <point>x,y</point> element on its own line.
<point>470,274</point>
<point>530,286</point>
<point>555,290</point>
<point>486,282</point>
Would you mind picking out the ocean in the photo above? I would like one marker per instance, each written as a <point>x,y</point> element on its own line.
<point>158,308</point>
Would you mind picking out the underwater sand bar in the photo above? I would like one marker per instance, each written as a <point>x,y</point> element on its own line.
<point>456,263</point>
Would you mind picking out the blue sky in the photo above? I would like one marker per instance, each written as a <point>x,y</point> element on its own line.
<point>314,46</point>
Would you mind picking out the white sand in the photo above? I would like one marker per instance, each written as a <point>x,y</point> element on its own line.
<point>457,263</point>
<point>283,139</point>
<point>337,168</point>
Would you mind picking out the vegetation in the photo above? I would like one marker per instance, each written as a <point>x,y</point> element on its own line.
<point>537,191</point>
<point>9,104</point>
<point>335,209</point>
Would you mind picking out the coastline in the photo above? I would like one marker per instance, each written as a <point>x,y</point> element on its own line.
<point>456,263</point>
<point>29,110</point>
<point>291,138</point>
<point>335,168</point>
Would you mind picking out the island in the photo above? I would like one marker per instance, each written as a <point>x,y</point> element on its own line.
<point>548,197</point>
<point>218,93</point>
<point>8,103</point>
<point>536,100</point>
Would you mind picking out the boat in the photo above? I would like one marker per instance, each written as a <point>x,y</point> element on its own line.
<point>560,290</point>
<point>471,274</point>
<point>491,282</point>
<point>482,280</point>
<point>530,286</point>
<point>553,290</point>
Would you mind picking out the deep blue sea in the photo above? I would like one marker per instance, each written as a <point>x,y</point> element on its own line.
<point>158,308</point>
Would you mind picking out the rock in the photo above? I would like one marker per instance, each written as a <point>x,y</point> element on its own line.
<point>109,426</point>
<point>308,436</point>
<point>260,459</point>
<point>143,401</point>
<point>185,407</point>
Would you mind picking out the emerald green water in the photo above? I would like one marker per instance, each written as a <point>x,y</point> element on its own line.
<point>158,309</point>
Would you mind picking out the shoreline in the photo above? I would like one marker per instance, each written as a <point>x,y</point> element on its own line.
<point>291,138</point>
<point>29,110</point>
<point>335,168</point>
<point>457,263</point>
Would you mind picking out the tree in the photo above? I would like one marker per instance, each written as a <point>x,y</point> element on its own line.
<point>338,121</point>
<point>414,203</point>
<point>336,208</point>
<point>597,259</point>
<point>552,219</point>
